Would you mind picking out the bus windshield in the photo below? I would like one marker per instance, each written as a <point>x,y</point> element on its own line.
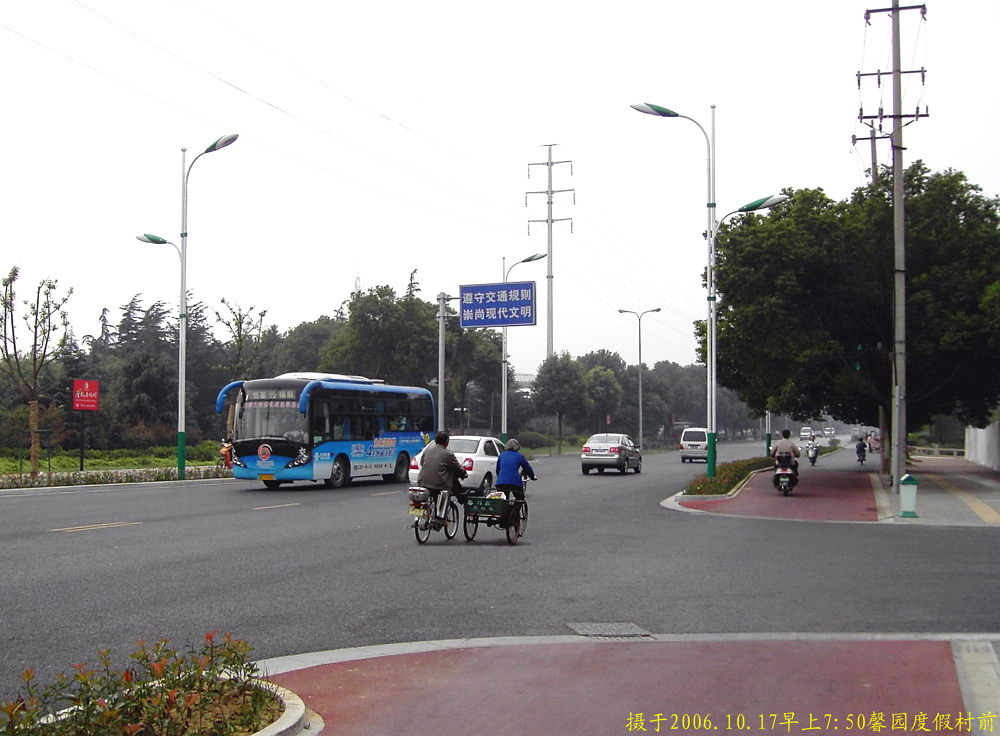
<point>262,418</point>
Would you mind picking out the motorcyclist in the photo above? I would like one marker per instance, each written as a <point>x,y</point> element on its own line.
<point>812,449</point>
<point>860,448</point>
<point>786,445</point>
<point>511,464</point>
<point>440,472</point>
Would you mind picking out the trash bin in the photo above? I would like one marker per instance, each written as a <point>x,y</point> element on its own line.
<point>908,496</point>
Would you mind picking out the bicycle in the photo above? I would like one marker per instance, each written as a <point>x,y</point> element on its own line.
<point>225,459</point>
<point>423,507</point>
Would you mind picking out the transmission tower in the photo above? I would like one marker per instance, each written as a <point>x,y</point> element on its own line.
<point>549,221</point>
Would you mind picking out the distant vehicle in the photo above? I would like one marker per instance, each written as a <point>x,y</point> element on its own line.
<point>610,450</point>
<point>805,433</point>
<point>478,456</point>
<point>829,431</point>
<point>325,427</point>
<point>694,444</point>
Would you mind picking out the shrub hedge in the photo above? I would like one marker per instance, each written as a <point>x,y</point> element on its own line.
<point>727,477</point>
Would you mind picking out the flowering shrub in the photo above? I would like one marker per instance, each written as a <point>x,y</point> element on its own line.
<point>727,477</point>
<point>209,691</point>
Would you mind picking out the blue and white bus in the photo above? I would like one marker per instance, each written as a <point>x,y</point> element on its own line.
<point>326,427</point>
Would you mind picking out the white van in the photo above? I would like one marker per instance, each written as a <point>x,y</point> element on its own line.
<point>694,444</point>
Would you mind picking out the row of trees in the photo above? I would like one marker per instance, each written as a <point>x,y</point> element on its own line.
<point>805,329</point>
<point>806,302</point>
<point>376,334</point>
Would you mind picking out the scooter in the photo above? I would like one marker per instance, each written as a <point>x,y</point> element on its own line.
<point>812,452</point>
<point>784,473</point>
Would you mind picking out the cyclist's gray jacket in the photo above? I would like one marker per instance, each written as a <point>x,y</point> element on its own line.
<point>438,469</point>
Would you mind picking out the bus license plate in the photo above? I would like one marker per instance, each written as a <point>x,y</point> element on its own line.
<point>266,476</point>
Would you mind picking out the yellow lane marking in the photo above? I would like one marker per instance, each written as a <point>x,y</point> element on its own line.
<point>982,510</point>
<point>277,506</point>
<point>89,527</point>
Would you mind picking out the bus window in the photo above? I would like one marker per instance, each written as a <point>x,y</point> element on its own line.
<point>321,422</point>
<point>369,427</point>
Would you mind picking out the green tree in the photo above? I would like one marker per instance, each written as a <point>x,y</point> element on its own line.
<point>24,362</point>
<point>476,363</point>
<point>244,331</point>
<point>560,390</point>
<point>678,392</point>
<point>300,347</point>
<point>144,376</point>
<point>385,337</point>
<point>605,395</point>
<point>805,318</point>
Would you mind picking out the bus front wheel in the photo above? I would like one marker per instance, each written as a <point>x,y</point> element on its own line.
<point>339,476</point>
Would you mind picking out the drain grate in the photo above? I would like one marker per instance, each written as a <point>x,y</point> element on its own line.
<point>609,630</point>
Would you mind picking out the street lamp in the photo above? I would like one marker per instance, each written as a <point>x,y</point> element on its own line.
<point>503,390</point>
<point>765,203</point>
<point>182,324</point>
<point>639,316</point>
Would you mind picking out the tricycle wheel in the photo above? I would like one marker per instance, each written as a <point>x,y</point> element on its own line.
<point>471,526</point>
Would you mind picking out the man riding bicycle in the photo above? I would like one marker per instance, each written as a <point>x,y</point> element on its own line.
<point>440,472</point>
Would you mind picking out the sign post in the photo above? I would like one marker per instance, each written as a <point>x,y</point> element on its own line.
<point>86,397</point>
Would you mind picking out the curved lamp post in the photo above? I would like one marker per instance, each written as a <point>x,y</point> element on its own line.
<point>503,390</point>
<point>639,318</point>
<point>710,232</point>
<point>182,324</point>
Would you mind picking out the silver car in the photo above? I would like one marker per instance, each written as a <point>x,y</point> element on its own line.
<point>478,456</point>
<point>610,450</point>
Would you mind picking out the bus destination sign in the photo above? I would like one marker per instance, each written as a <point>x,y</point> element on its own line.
<point>498,305</point>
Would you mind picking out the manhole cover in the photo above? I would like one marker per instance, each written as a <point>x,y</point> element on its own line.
<point>623,630</point>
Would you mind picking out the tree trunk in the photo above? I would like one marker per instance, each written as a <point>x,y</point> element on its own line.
<point>35,443</point>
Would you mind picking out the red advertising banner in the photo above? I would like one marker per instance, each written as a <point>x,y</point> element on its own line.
<point>86,394</point>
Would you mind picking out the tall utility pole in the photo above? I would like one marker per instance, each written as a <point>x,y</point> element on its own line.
<point>549,220</point>
<point>898,468</point>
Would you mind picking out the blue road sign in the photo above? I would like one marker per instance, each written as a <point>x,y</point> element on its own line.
<point>498,305</point>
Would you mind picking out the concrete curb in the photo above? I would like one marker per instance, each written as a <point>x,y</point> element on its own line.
<point>292,720</point>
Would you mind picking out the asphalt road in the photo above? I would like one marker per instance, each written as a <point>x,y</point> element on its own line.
<point>307,568</point>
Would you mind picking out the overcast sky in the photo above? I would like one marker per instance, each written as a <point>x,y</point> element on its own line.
<point>376,138</point>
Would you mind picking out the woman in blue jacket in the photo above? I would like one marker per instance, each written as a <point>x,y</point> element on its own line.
<point>510,466</point>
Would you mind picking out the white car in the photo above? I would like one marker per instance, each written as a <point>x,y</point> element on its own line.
<point>478,456</point>
<point>694,444</point>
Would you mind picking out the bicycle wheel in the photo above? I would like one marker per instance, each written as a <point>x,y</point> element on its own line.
<point>451,521</point>
<point>470,526</point>
<point>518,515</point>
<point>423,526</point>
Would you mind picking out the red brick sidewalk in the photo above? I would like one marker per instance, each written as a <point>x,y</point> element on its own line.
<point>833,494</point>
<point>603,688</point>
